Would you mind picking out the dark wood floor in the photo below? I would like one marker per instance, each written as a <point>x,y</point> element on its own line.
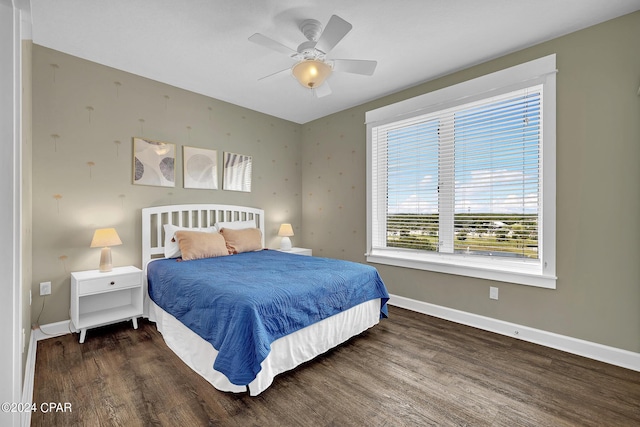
<point>409,370</point>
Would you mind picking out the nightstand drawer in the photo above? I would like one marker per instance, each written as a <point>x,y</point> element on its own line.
<point>107,284</point>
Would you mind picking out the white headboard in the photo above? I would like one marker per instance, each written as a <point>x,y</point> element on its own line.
<point>192,216</point>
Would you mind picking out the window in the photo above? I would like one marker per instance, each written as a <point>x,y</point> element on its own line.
<point>462,180</point>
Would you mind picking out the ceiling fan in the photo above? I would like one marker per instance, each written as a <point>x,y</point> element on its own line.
<point>312,67</point>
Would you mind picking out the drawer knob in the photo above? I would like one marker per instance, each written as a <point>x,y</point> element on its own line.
<point>112,283</point>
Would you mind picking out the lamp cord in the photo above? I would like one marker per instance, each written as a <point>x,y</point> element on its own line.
<point>44,299</point>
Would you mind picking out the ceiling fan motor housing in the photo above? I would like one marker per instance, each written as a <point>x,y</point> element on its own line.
<point>307,50</point>
<point>311,29</point>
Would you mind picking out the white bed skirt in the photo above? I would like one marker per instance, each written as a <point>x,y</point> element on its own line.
<point>286,352</point>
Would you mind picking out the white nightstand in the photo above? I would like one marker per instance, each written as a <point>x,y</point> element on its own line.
<point>299,251</point>
<point>102,298</point>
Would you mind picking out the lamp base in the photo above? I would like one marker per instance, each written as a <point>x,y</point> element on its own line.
<point>285,244</point>
<point>105,260</point>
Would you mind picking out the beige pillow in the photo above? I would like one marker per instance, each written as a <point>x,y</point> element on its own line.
<point>197,244</point>
<point>171,247</point>
<point>246,240</point>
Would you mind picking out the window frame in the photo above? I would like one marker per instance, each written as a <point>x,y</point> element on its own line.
<point>540,273</point>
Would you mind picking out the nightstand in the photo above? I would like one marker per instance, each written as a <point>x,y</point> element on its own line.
<point>299,251</point>
<point>103,298</point>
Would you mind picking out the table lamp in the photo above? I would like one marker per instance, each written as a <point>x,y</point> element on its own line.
<point>285,232</point>
<point>104,238</point>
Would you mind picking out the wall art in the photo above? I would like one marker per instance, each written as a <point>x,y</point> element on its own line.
<point>237,172</point>
<point>200,168</point>
<point>154,163</point>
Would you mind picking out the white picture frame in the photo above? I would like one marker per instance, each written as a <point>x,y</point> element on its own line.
<point>237,172</point>
<point>154,163</point>
<point>200,168</point>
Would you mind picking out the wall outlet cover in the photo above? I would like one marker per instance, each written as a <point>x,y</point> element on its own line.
<point>45,288</point>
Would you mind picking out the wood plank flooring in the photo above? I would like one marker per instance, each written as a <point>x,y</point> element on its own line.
<point>410,370</point>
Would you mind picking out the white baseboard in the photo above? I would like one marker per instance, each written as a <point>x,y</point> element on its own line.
<point>52,330</point>
<point>614,356</point>
<point>29,376</point>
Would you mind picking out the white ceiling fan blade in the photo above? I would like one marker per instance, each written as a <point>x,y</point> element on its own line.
<point>323,90</point>
<point>355,66</point>
<point>277,73</point>
<point>335,31</point>
<point>271,44</point>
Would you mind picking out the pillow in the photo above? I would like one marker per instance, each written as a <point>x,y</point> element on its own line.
<point>236,225</point>
<point>245,240</point>
<point>200,244</point>
<point>171,247</point>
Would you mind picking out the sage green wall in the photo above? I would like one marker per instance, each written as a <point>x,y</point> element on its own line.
<point>84,118</point>
<point>598,194</point>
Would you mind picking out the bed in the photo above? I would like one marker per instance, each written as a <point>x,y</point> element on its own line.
<point>239,320</point>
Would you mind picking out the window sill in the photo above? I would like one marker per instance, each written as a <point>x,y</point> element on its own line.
<point>519,273</point>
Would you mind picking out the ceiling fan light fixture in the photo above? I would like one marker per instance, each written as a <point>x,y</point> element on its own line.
<point>311,73</point>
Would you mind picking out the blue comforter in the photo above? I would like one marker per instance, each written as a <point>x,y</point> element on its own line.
<point>242,303</point>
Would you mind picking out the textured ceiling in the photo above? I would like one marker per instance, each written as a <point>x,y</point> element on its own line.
<point>202,46</point>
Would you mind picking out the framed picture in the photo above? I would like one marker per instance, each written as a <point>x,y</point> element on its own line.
<point>237,172</point>
<point>154,163</point>
<point>200,168</point>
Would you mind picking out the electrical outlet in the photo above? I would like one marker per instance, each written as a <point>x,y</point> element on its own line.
<point>45,288</point>
<point>493,292</point>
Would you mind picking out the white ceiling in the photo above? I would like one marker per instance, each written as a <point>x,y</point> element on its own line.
<point>202,46</point>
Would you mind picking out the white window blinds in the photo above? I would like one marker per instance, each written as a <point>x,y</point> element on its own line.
<point>456,178</point>
<point>464,179</point>
<point>497,175</point>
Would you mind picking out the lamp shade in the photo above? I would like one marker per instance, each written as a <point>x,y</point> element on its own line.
<point>311,73</point>
<point>105,237</point>
<point>285,230</point>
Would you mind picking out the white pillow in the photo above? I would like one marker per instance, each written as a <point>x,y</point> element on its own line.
<point>236,225</point>
<point>171,246</point>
